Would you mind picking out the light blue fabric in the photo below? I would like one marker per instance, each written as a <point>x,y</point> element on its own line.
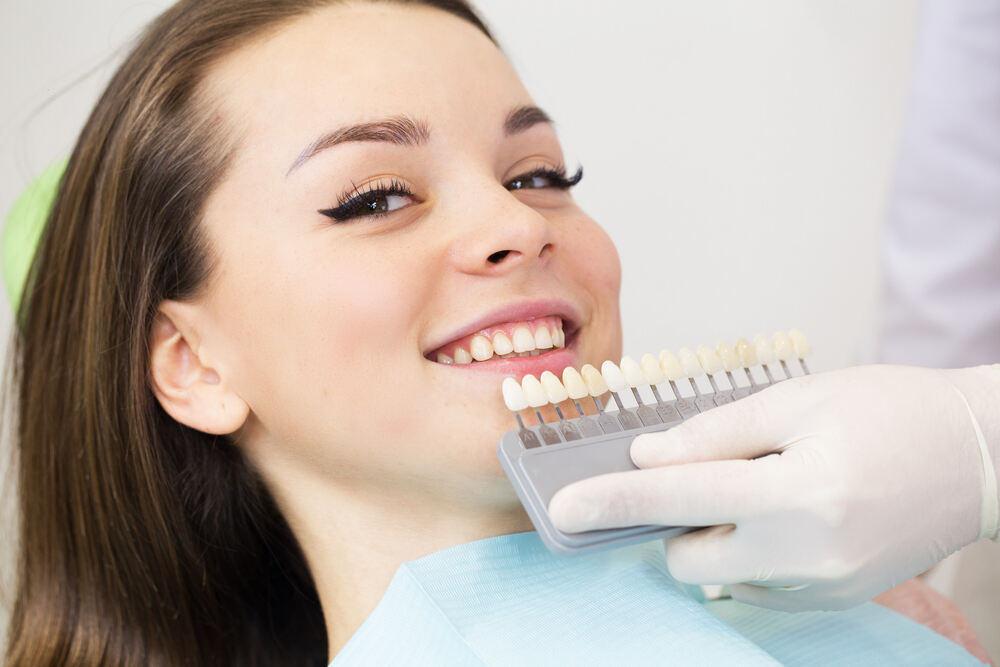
<point>508,601</point>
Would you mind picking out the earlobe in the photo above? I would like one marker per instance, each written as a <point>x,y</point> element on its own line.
<point>190,392</point>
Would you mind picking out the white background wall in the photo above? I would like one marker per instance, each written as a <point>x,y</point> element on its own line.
<point>738,153</point>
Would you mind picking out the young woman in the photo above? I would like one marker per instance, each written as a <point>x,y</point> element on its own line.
<point>237,415</point>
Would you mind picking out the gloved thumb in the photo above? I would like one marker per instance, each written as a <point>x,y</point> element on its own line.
<point>745,429</point>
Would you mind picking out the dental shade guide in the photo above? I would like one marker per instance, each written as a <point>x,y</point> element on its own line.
<point>542,458</point>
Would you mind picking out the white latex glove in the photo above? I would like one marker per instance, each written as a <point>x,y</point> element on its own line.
<point>880,472</point>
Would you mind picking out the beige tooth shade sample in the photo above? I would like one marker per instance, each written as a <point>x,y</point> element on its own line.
<point>554,389</point>
<point>730,360</point>
<point>632,372</point>
<point>764,351</point>
<point>671,365</point>
<point>613,376</point>
<point>800,343</point>
<point>594,380</point>
<point>533,391</point>
<point>783,346</point>
<point>689,362</point>
<point>576,388</point>
<point>746,352</point>
<point>651,369</point>
<point>709,360</point>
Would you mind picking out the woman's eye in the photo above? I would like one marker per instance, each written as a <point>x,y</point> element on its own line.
<point>371,204</point>
<point>545,178</point>
<point>524,182</point>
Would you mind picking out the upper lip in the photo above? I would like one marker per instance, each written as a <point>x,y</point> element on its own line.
<point>514,312</point>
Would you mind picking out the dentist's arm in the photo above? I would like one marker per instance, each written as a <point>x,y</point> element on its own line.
<point>878,473</point>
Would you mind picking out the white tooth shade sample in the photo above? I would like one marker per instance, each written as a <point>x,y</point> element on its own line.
<point>746,352</point>
<point>762,347</point>
<point>651,369</point>
<point>689,362</point>
<point>708,359</point>
<point>730,360</point>
<point>502,344</point>
<point>671,365</point>
<point>513,395</point>
<point>783,346</point>
<point>632,372</point>
<point>594,381</point>
<point>523,340</point>
<point>481,348</point>
<point>543,339</point>
<point>613,376</point>
<point>554,389</point>
<point>800,343</point>
<point>462,356</point>
<point>533,391</point>
<point>573,381</point>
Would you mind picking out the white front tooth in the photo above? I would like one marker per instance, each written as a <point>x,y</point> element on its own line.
<point>573,381</point>
<point>502,344</point>
<point>730,360</point>
<point>558,337</point>
<point>689,362</point>
<point>462,356</point>
<point>543,339</point>
<point>523,340</point>
<point>445,359</point>
<point>632,372</point>
<point>613,376</point>
<point>651,369</point>
<point>671,365</point>
<point>800,343</point>
<point>481,348</point>
<point>533,391</point>
<point>554,389</point>
<point>708,359</point>
<point>783,346</point>
<point>513,395</point>
<point>762,347</point>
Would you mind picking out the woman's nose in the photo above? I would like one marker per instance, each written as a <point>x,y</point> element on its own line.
<point>502,235</point>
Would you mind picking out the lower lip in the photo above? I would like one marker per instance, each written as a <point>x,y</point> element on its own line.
<point>554,360</point>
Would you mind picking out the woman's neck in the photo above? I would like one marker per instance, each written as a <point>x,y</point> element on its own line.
<point>355,536</point>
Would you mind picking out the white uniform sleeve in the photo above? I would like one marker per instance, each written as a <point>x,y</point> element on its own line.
<point>941,243</point>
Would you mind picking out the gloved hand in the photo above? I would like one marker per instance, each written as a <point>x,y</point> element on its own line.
<point>878,473</point>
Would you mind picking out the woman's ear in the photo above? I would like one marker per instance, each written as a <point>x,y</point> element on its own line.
<point>192,393</point>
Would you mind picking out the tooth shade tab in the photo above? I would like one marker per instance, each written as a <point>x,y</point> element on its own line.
<point>689,362</point>
<point>554,389</point>
<point>481,348</point>
<point>800,343</point>
<point>533,391</point>
<point>651,369</point>
<point>502,344</point>
<point>613,376</point>
<point>573,381</point>
<point>746,352</point>
<point>765,352</point>
<point>594,381</point>
<point>709,360</point>
<point>671,365</point>
<point>632,372</point>
<point>730,360</point>
<point>513,395</point>
<point>783,346</point>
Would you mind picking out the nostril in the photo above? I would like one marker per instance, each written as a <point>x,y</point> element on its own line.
<point>498,257</point>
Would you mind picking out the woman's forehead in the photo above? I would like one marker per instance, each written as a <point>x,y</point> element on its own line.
<point>353,63</point>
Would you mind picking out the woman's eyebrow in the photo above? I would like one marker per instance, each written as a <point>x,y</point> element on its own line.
<point>405,131</point>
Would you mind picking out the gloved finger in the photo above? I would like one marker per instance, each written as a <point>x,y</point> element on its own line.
<point>750,427</point>
<point>695,494</point>
<point>718,555</point>
<point>782,599</point>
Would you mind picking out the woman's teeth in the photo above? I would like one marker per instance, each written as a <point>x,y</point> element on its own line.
<point>521,343</point>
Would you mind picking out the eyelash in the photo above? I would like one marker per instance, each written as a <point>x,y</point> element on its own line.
<point>356,203</point>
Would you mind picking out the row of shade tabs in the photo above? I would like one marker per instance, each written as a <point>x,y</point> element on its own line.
<point>742,356</point>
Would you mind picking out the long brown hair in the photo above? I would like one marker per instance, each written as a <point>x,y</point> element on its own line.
<point>143,541</point>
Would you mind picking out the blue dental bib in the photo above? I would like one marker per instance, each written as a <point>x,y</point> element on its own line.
<point>508,601</point>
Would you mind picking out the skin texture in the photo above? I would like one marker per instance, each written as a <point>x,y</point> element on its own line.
<point>308,345</point>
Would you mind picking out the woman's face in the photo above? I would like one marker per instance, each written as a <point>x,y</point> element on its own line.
<point>329,325</point>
